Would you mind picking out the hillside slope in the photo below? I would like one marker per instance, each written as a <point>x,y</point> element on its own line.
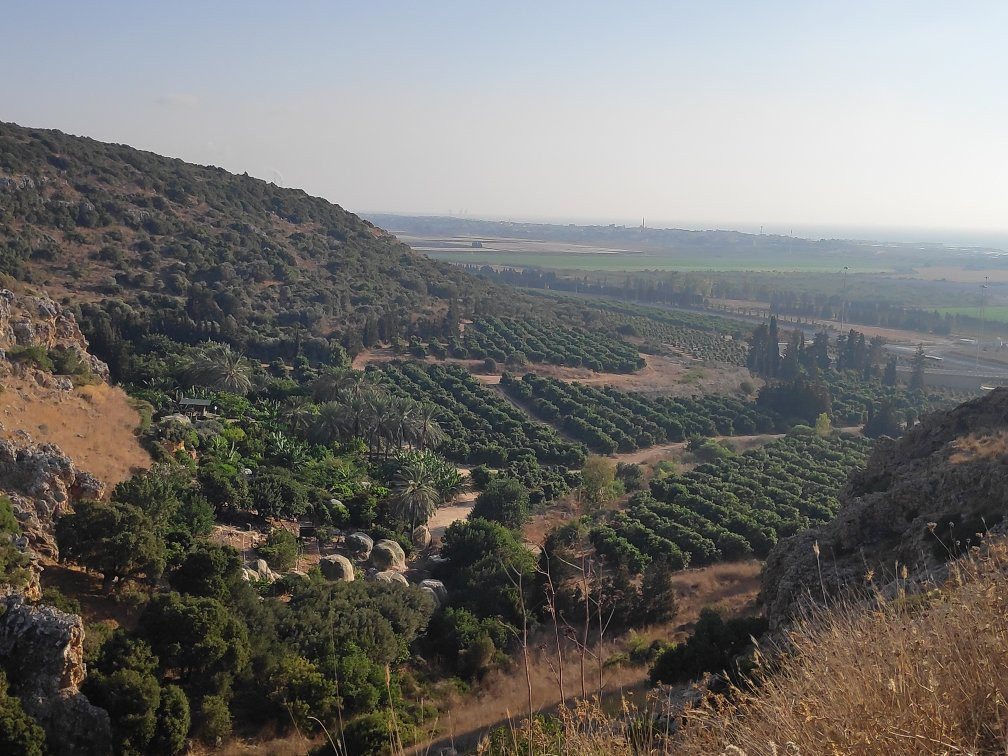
<point>202,253</point>
<point>921,500</point>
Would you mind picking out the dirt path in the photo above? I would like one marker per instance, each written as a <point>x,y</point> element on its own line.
<point>445,516</point>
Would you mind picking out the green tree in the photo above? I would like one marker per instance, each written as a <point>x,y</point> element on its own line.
<point>301,690</point>
<point>413,492</point>
<point>597,476</point>
<point>280,549</point>
<point>19,733</point>
<point>173,722</point>
<point>214,719</point>
<point>504,500</point>
<point>208,570</point>
<point>225,486</point>
<point>486,563</point>
<point>196,638</point>
<point>889,377</point>
<point>218,367</point>
<point>116,539</point>
<point>132,699</point>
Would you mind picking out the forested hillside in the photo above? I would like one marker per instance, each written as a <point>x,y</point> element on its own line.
<point>196,252</point>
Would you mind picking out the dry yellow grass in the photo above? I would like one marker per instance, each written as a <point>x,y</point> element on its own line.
<point>93,425</point>
<point>925,673</point>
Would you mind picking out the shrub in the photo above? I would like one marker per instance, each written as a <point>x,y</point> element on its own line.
<point>280,549</point>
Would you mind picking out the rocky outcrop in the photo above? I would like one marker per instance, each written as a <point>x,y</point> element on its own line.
<point>388,555</point>
<point>42,483</point>
<point>337,567</point>
<point>920,500</point>
<point>27,321</point>
<point>260,570</point>
<point>42,649</point>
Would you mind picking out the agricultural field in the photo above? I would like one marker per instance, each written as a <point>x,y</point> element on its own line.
<point>608,420</point>
<point>852,397</point>
<point>735,507</point>
<point>483,428</point>
<point>541,341</point>
<point>998,314</point>
<point>694,343</point>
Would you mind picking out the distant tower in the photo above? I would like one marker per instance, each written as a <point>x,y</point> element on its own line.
<point>642,225</point>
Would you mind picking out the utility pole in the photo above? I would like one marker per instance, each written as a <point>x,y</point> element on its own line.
<point>843,299</point>
<point>983,289</point>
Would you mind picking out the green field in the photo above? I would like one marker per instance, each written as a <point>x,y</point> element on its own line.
<point>632,262</point>
<point>992,314</point>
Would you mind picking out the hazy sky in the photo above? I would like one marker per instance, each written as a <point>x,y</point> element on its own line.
<point>784,113</point>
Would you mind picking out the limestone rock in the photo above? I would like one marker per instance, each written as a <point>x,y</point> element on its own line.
<point>337,567</point>
<point>437,588</point>
<point>42,483</point>
<point>390,576</point>
<point>388,555</point>
<point>421,537</point>
<point>360,545</point>
<point>40,321</point>
<point>42,649</point>
<point>433,596</point>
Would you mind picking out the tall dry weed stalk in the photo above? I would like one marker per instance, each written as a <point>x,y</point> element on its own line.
<point>921,673</point>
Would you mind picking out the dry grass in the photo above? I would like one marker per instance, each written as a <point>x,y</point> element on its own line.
<point>919,674</point>
<point>992,445</point>
<point>93,425</point>
<point>925,673</point>
<point>502,696</point>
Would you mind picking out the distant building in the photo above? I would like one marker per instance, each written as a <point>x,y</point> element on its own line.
<point>193,408</point>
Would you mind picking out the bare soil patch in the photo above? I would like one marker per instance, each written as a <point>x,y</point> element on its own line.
<point>93,425</point>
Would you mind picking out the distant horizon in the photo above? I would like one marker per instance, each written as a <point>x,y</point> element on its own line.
<point>869,115</point>
<point>996,239</point>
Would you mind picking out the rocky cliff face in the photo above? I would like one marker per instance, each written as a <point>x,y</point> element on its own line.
<point>42,482</point>
<point>38,321</point>
<point>43,652</point>
<point>920,500</point>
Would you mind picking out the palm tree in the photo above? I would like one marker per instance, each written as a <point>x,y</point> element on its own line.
<point>413,493</point>
<point>337,385</point>
<point>220,368</point>
<point>299,415</point>
<point>329,424</point>
<point>426,431</point>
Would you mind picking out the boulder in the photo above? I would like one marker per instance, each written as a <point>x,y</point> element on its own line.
<point>390,576</point>
<point>388,555</point>
<point>433,596</point>
<point>421,537</point>
<point>360,545</point>
<point>337,567</point>
<point>437,587</point>
<point>263,572</point>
